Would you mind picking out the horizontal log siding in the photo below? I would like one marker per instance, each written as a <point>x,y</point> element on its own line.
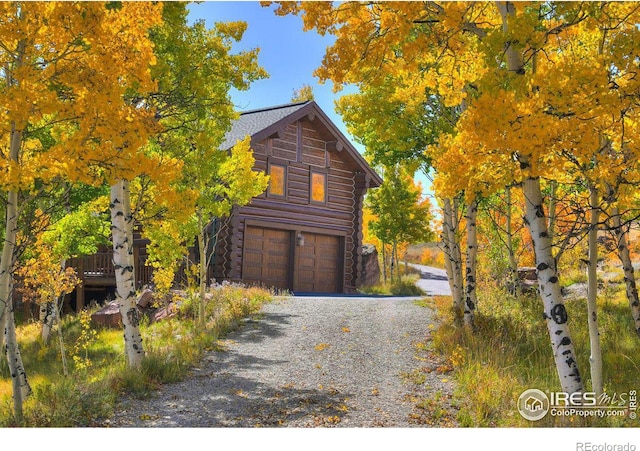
<point>286,147</point>
<point>313,146</point>
<point>337,215</point>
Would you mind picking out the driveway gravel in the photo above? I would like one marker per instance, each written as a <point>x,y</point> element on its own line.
<point>312,362</point>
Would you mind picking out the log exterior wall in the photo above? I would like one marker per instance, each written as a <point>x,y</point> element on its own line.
<point>300,138</point>
<point>302,149</point>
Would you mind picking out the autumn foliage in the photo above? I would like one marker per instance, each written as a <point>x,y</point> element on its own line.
<point>533,96</point>
<point>126,97</point>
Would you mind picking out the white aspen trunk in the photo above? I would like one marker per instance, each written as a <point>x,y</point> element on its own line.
<point>471,299</point>
<point>445,247</point>
<point>49,313</point>
<point>384,264</point>
<point>57,318</point>
<point>555,313</point>
<point>392,266</point>
<point>595,359</point>
<point>513,263</point>
<point>447,265</point>
<point>552,209</point>
<point>47,319</point>
<point>451,225</point>
<point>11,225</point>
<point>7,260</point>
<point>124,265</point>
<point>20,384</point>
<point>629,276</point>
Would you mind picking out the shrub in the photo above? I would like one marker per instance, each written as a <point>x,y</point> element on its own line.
<point>173,346</point>
<point>509,352</point>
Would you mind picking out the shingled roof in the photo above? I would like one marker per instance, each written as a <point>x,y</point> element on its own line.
<point>254,121</point>
<point>262,123</point>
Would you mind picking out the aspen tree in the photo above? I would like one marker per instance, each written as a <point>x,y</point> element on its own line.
<point>622,247</point>
<point>67,69</point>
<point>470,294</point>
<point>196,71</point>
<point>462,51</point>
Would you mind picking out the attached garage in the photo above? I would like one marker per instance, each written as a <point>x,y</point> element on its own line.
<point>267,257</point>
<point>318,264</point>
<point>296,260</point>
<point>304,233</point>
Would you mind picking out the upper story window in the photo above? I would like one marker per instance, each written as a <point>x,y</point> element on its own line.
<point>277,180</point>
<point>318,187</point>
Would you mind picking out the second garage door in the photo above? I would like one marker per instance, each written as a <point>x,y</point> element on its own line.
<point>317,264</point>
<point>282,259</point>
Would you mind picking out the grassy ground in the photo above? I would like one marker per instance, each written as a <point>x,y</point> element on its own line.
<point>510,352</point>
<point>97,370</point>
<point>405,287</point>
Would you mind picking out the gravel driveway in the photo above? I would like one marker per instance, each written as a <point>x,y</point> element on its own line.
<point>311,362</point>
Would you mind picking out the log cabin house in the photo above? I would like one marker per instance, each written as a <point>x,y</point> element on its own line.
<point>304,233</point>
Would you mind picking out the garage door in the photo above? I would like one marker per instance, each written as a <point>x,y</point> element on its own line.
<point>267,255</point>
<point>312,265</point>
<point>318,264</point>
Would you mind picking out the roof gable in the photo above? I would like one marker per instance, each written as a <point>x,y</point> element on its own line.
<point>254,121</point>
<point>263,123</point>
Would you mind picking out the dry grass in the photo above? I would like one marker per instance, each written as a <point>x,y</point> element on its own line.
<point>509,353</point>
<point>173,346</point>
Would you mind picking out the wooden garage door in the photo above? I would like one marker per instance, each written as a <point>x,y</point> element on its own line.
<point>267,255</point>
<point>318,264</point>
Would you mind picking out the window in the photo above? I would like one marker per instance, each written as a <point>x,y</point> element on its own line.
<point>318,187</point>
<point>277,180</point>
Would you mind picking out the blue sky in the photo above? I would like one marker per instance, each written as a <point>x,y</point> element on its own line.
<point>287,53</point>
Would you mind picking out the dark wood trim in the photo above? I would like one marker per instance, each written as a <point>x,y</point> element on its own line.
<point>234,253</point>
<point>299,143</point>
<point>294,227</point>
<point>275,162</point>
<point>342,250</point>
<point>244,251</point>
<point>284,208</point>
<point>322,118</point>
<point>285,223</point>
<point>318,169</point>
<point>324,173</point>
<point>294,258</point>
<point>280,161</point>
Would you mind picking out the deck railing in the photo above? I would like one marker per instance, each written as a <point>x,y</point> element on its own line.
<point>94,266</point>
<point>97,270</point>
<point>99,267</point>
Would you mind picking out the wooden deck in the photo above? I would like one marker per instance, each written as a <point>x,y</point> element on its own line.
<point>97,273</point>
